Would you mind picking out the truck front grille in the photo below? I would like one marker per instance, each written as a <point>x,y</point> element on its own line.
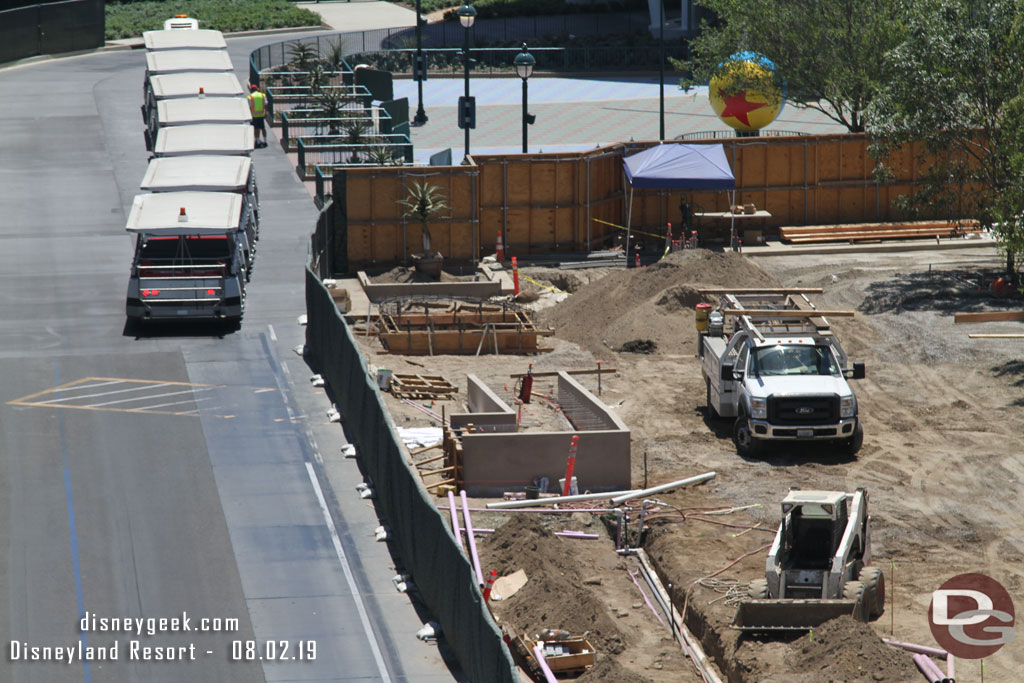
<point>803,410</point>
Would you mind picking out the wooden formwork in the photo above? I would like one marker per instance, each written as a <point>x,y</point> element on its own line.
<point>459,332</point>
<point>574,202</point>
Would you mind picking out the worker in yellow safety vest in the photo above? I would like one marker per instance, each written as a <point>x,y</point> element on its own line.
<point>258,109</point>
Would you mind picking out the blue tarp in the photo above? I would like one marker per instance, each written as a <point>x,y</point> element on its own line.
<point>679,166</point>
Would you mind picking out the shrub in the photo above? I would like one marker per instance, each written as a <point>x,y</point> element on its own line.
<point>127,19</point>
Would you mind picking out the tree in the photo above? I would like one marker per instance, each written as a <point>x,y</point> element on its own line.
<point>956,89</point>
<point>828,55</point>
<point>424,203</point>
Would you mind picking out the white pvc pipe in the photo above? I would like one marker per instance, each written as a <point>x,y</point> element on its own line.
<point>471,540</point>
<point>921,649</point>
<point>630,495</point>
<point>950,667</point>
<point>455,520</point>
<point>548,675</point>
<point>509,504</point>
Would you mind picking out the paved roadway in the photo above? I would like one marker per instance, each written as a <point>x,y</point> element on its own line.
<point>154,473</point>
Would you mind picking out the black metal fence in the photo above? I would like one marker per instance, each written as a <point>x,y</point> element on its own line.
<point>550,30</point>
<point>50,28</point>
<point>422,537</point>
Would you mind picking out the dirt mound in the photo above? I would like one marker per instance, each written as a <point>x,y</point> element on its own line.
<point>554,596</point>
<point>845,649</point>
<point>653,303</point>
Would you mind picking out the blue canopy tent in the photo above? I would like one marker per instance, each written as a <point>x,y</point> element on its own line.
<point>677,166</point>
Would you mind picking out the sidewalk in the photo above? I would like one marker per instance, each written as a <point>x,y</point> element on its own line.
<point>361,16</point>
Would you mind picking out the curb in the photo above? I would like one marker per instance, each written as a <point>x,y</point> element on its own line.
<point>138,44</point>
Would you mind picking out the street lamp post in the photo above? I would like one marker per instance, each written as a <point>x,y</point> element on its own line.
<point>524,63</point>
<point>419,69</point>
<point>467,106</point>
<point>661,69</point>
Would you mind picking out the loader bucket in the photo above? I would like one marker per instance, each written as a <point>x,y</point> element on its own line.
<point>790,615</point>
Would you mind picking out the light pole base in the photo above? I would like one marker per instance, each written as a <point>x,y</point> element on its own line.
<point>420,118</point>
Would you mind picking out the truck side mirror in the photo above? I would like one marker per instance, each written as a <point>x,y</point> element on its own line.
<point>728,372</point>
<point>859,370</point>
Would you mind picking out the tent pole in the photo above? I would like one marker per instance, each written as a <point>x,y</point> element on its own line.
<point>629,222</point>
<point>732,222</point>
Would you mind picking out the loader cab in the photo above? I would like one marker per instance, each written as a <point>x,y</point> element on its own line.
<point>813,525</point>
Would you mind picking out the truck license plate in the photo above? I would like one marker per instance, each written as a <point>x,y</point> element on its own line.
<point>804,433</point>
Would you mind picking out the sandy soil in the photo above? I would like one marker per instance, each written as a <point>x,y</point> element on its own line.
<point>942,454</point>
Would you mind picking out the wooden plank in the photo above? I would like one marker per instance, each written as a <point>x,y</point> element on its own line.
<point>988,316</point>
<point>996,336</point>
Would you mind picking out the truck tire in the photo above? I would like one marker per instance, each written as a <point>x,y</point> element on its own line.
<point>874,590</point>
<point>712,413</point>
<point>854,590</point>
<point>851,446</point>
<point>746,445</point>
<point>758,589</point>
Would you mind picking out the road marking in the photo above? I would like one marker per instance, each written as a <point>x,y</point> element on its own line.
<point>349,578</point>
<point>76,566</point>
<point>105,393</point>
<point>144,397</point>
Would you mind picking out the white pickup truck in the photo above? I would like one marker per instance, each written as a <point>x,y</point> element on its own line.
<point>779,371</point>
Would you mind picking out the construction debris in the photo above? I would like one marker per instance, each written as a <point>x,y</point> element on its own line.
<point>421,387</point>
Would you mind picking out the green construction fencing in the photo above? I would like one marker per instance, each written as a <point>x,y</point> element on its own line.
<point>421,535</point>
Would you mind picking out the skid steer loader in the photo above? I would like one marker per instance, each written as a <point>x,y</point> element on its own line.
<point>816,568</point>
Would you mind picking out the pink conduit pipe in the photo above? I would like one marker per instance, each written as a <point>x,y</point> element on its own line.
<point>922,662</point>
<point>921,649</point>
<point>455,519</point>
<point>471,540</point>
<point>548,675</point>
<point>545,511</point>
<point>950,667</point>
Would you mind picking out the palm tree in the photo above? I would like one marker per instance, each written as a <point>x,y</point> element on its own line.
<point>355,134</point>
<point>335,56</point>
<point>331,103</point>
<point>303,55</point>
<point>424,203</point>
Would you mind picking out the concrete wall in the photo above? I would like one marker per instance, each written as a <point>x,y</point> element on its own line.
<point>581,406</point>
<point>486,409</point>
<point>494,463</point>
<point>379,291</point>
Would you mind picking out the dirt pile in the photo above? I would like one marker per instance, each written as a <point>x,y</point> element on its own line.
<point>654,303</point>
<point>845,649</point>
<point>554,595</point>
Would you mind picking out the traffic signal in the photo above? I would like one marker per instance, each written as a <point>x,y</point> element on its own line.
<point>467,112</point>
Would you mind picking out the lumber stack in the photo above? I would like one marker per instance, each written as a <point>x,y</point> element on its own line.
<point>860,232</point>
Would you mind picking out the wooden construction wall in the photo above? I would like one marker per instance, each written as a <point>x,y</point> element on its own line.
<point>555,203</point>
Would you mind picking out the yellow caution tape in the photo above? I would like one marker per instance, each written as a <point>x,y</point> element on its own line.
<point>632,230</point>
<point>553,289</point>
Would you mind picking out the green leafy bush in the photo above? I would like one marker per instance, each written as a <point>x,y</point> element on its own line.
<point>128,19</point>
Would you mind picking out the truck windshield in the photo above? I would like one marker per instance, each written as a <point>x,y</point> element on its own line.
<point>795,360</point>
